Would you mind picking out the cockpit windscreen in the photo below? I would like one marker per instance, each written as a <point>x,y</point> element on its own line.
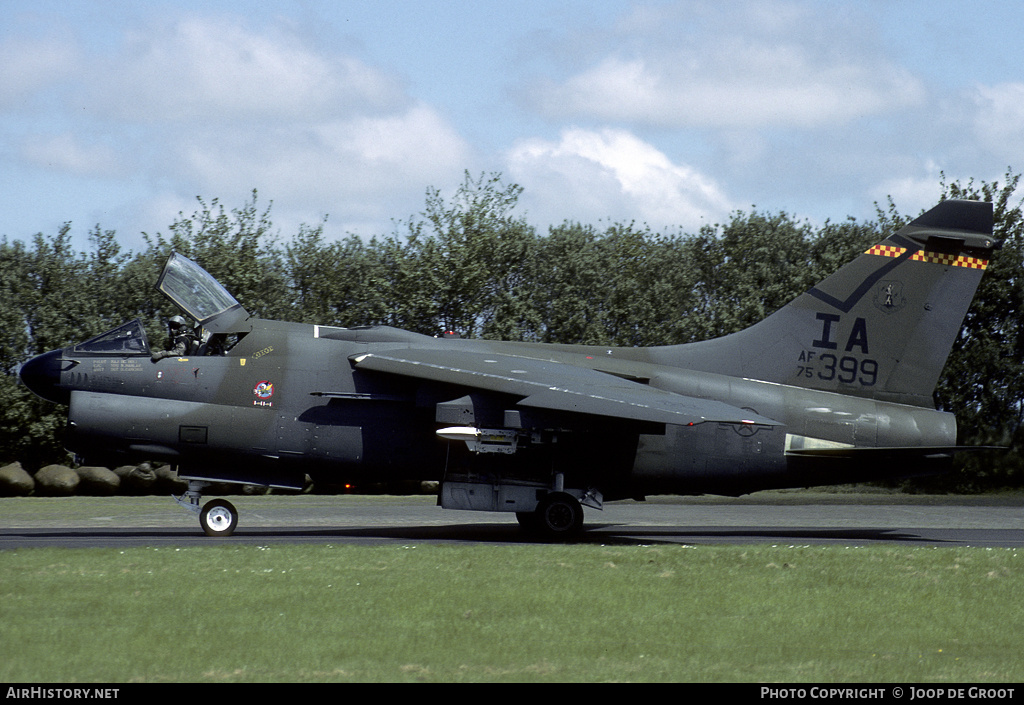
<point>128,339</point>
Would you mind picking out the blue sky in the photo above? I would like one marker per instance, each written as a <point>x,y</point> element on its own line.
<point>672,114</point>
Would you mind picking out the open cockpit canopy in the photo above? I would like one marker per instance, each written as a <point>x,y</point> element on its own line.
<point>200,295</point>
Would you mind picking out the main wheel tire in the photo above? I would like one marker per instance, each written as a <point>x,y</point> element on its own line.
<point>218,518</point>
<point>559,517</point>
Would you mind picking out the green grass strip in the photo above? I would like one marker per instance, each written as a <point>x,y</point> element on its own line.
<point>285,613</point>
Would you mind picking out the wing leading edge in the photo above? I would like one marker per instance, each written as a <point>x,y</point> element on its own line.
<point>557,386</point>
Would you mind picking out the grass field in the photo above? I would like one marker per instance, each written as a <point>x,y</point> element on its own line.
<point>436,613</point>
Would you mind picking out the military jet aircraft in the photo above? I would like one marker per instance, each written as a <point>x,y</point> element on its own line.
<point>835,387</point>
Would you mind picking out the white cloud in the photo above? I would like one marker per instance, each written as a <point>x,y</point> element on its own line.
<point>739,86</point>
<point>912,193</point>
<point>731,65</point>
<point>205,106</point>
<point>211,70</point>
<point>28,66</point>
<point>68,153</point>
<point>412,143</point>
<point>999,119</point>
<point>359,165</point>
<point>611,173</point>
<point>800,106</point>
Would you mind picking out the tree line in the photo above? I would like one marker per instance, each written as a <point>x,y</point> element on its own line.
<point>469,263</point>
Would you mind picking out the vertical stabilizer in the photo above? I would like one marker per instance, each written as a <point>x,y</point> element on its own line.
<point>882,326</point>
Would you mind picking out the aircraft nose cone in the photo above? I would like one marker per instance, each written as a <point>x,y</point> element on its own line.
<point>42,375</point>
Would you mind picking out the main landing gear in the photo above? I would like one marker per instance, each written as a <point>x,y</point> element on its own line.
<point>558,516</point>
<point>218,517</point>
<point>548,511</point>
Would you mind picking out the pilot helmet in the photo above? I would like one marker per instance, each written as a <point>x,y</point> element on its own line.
<point>176,323</point>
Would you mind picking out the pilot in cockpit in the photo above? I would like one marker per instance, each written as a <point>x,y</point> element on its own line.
<point>181,338</point>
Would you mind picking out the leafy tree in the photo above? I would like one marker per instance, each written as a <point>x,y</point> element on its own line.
<point>836,244</point>
<point>338,283</point>
<point>461,264</point>
<point>48,302</point>
<point>569,287</point>
<point>470,263</point>
<point>749,268</point>
<point>14,333</point>
<point>984,379</point>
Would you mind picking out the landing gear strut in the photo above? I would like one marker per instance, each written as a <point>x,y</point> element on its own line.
<point>218,517</point>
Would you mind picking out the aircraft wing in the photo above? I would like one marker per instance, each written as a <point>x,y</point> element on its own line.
<point>558,386</point>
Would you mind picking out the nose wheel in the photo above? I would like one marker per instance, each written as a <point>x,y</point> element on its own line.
<point>218,517</point>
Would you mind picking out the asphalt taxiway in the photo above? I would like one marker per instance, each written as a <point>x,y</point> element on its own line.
<point>802,519</point>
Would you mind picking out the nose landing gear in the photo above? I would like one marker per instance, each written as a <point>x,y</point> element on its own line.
<point>218,517</point>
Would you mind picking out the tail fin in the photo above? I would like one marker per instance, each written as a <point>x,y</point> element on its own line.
<point>881,327</point>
